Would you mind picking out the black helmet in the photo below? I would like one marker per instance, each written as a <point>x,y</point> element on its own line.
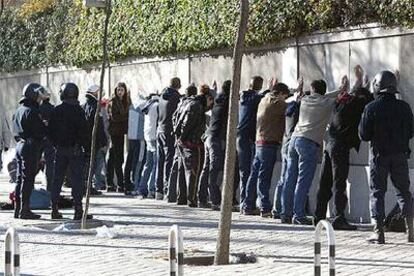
<point>385,82</point>
<point>69,91</point>
<point>32,91</point>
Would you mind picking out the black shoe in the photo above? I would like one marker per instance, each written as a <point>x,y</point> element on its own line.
<point>56,215</point>
<point>101,188</point>
<point>17,204</point>
<point>216,207</point>
<point>111,189</point>
<point>159,196</point>
<point>286,220</point>
<point>275,215</point>
<point>266,214</point>
<point>181,203</point>
<point>377,238</point>
<point>95,192</point>
<point>340,223</point>
<point>254,212</point>
<point>27,214</point>
<point>204,205</point>
<point>78,215</point>
<point>236,208</point>
<point>316,220</point>
<point>120,189</point>
<point>302,221</point>
<point>192,205</point>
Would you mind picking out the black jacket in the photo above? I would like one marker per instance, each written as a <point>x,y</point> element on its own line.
<point>46,109</point>
<point>27,123</point>
<point>343,127</point>
<point>249,102</point>
<point>193,120</point>
<point>388,124</point>
<point>219,116</point>
<point>68,126</point>
<point>90,108</point>
<point>167,105</point>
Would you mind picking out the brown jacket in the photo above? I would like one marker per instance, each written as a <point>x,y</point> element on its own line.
<point>118,116</point>
<point>270,120</point>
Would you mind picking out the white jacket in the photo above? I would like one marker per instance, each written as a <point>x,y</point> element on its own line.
<point>150,123</point>
<point>5,133</point>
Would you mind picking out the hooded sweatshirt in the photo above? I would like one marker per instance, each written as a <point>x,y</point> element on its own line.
<point>150,111</point>
<point>166,107</point>
<point>249,101</point>
<point>219,115</point>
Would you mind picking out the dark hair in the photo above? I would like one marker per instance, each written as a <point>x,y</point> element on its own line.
<point>319,86</point>
<point>204,90</point>
<point>256,83</point>
<point>175,83</point>
<point>191,91</point>
<point>280,88</point>
<point>226,86</point>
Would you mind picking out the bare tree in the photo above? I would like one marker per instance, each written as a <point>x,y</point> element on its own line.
<point>223,240</point>
<point>105,61</point>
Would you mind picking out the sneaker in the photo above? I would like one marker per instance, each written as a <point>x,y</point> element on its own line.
<point>27,214</point>
<point>302,221</point>
<point>215,207</point>
<point>286,220</point>
<point>204,205</point>
<point>254,212</point>
<point>159,196</point>
<point>266,214</point>
<point>340,223</point>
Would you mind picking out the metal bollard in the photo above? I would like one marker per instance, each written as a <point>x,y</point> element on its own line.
<point>176,253</point>
<point>331,243</point>
<point>12,248</point>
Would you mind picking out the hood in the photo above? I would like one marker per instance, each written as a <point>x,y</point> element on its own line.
<point>272,98</point>
<point>168,93</point>
<point>148,104</point>
<point>91,98</point>
<point>221,98</point>
<point>28,102</point>
<point>247,96</point>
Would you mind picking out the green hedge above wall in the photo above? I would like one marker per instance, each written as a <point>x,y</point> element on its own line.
<point>64,32</point>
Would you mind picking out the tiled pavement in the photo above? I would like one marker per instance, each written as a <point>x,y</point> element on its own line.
<point>143,225</point>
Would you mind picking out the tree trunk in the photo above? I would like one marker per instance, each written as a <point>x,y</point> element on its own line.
<point>223,240</point>
<point>105,61</point>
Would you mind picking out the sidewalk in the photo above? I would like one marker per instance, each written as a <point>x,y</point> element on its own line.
<point>143,225</point>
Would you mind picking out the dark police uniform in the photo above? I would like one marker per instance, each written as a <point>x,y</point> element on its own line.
<point>29,132</point>
<point>68,130</point>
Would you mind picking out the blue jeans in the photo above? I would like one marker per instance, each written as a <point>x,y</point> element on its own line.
<point>261,175</point>
<point>100,168</point>
<point>245,154</point>
<point>147,182</point>
<point>277,201</point>
<point>301,166</point>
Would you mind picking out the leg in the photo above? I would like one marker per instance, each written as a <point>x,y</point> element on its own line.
<point>146,173</point>
<point>49,155</point>
<point>169,159</point>
<point>245,162</point>
<point>268,158</point>
<point>277,201</point>
<point>110,169</point>
<point>160,164</point>
<point>216,167</point>
<point>249,203</point>
<point>172,181</point>
<point>401,181</point>
<point>290,181</point>
<point>340,167</point>
<point>119,160</point>
<point>129,164</point>
<point>203,191</point>
<point>325,187</point>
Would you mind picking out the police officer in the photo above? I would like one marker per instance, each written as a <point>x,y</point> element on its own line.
<point>388,124</point>
<point>29,132</point>
<point>68,130</point>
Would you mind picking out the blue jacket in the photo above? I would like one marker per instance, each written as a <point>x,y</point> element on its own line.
<point>388,124</point>
<point>249,102</point>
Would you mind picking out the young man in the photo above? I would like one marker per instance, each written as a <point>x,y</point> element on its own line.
<point>246,131</point>
<point>69,133</point>
<point>269,134</point>
<point>342,137</point>
<point>166,107</point>
<point>387,123</point>
<point>315,111</point>
<point>29,132</point>
<point>90,108</point>
<point>215,150</point>
<point>189,128</point>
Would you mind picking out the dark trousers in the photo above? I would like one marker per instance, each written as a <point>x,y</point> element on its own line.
<point>260,178</point>
<point>134,162</point>
<point>49,155</point>
<point>71,161</point>
<point>214,150</point>
<point>245,153</point>
<point>397,167</point>
<point>28,157</point>
<point>334,172</point>
<point>190,160</point>
<point>115,161</point>
<point>165,161</point>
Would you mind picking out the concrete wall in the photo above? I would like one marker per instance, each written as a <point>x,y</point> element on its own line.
<point>324,55</point>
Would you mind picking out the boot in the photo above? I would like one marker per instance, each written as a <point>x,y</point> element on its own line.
<point>26,213</point>
<point>55,212</point>
<point>340,223</point>
<point>17,203</point>
<point>378,236</point>
<point>79,214</point>
<point>410,229</point>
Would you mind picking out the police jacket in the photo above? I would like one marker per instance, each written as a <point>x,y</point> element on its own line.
<point>388,124</point>
<point>219,115</point>
<point>192,120</point>
<point>167,105</point>
<point>27,123</point>
<point>68,126</point>
<point>90,108</point>
<point>249,101</point>
<point>343,127</point>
